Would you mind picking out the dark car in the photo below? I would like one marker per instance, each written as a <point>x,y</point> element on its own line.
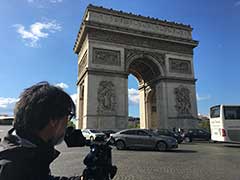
<point>143,138</point>
<point>197,134</point>
<point>168,132</point>
<point>107,132</point>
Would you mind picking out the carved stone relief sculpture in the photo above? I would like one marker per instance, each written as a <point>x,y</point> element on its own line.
<point>106,97</point>
<point>180,66</point>
<point>130,40</point>
<point>82,64</point>
<point>183,101</point>
<point>129,53</point>
<point>140,25</point>
<point>106,57</point>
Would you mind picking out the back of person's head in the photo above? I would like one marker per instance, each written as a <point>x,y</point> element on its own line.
<point>38,105</point>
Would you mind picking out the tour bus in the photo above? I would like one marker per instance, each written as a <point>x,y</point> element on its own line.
<point>225,123</point>
<point>6,120</point>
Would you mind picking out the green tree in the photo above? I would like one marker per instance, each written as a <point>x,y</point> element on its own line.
<point>205,125</point>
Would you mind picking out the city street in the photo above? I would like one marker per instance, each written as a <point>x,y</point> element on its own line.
<point>197,160</point>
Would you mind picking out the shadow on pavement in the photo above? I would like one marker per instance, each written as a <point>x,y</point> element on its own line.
<point>182,151</point>
<point>232,145</point>
<point>153,150</point>
<point>196,142</point>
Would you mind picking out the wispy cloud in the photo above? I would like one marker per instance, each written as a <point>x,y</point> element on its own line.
<point>133,96</point>
<point>202,98</point>
<point>62,85</point>
<point>37,31</point>
<point>50,1</point>
<point>7,105</point>
<point>237,3</point>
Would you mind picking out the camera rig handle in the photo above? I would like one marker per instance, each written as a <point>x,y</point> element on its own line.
<point>99,162</point>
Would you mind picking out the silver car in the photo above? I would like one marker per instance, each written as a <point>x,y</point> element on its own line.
<point>143,138</point>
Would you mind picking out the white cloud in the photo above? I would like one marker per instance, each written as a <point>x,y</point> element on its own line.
<point>7,105</point>
<point>237,3</point>
<point>62,85</point>
<point>50,1</point>
<point>36,33</point>
<point>74,98</point>
<point>201,98</point>
<point>133,96</point>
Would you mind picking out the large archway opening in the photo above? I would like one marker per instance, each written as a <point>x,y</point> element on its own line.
<point>146,71</point>
<point>133,102</point>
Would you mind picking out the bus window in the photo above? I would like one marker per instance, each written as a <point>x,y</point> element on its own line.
<point>231,112</point>
<point>215,112</point>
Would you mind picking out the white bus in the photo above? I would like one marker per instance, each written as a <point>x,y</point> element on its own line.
<point>6,120</point>
<point>225,123</point>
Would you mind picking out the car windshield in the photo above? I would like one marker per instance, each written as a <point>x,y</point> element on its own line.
<point>95,131</point>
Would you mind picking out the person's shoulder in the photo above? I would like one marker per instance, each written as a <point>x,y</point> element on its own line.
<point>13,153</point>
<point>10,170</point>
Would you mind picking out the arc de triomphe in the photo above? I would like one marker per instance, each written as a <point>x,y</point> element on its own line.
<point>111,45</point>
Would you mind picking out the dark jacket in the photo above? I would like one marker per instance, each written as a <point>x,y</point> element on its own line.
<point>27,159</point>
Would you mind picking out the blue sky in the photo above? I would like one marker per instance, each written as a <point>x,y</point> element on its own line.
<point>37,39</point>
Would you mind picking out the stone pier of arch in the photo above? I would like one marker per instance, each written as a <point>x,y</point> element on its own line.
<point>111,45</point>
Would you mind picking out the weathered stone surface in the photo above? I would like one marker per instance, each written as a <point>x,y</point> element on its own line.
<point>183,101</point>
<point>106,57</point>
<point>158,53</point>
<point>180,66</point>
<point>106,97</point>
<point>131,23</point>
<point>137,41</point>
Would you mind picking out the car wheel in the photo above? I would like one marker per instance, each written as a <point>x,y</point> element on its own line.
<point>91,138</point>
<point>161,146</point>
<point>120,145</point>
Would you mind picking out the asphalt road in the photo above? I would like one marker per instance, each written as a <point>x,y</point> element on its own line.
<point>193,161</point>
<point>200,161</point>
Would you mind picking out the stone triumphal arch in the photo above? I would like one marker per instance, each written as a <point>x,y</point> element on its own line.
<point>111,45</point>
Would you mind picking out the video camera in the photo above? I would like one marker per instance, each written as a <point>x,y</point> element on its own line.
<point>98,161</point>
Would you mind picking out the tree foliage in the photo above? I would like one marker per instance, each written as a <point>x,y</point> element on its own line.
<point>205,125</point>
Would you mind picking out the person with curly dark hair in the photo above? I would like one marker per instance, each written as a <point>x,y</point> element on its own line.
<point>41,117</point>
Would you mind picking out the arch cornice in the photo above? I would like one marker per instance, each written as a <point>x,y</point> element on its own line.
<point>134,54</point>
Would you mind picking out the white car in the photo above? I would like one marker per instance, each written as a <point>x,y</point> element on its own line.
<point>93,134</point>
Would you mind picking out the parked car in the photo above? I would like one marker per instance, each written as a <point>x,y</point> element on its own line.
<point>93,134</point>
<point>143,138</point>
<point>196,134</point>
<point>168,132</point>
